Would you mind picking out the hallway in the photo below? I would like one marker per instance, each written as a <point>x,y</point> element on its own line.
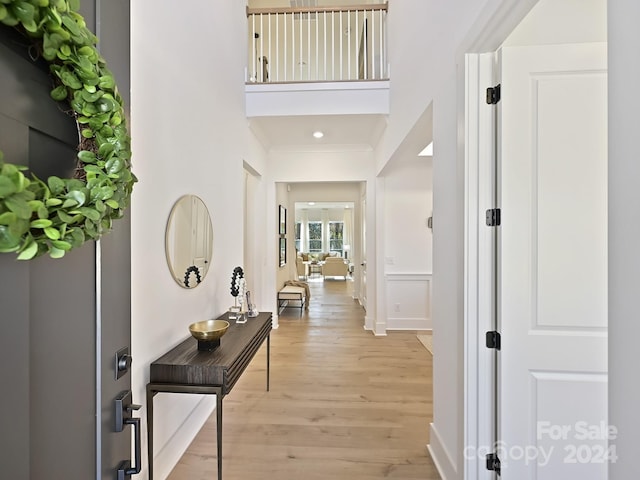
<point>343,404</point>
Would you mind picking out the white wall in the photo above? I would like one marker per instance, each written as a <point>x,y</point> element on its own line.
<point>316,214</point>
<point>408,243</point>
<point>408,204</point>
<point>447,304</point>
<point>189,136</point>
<point>255,260</point>
<point>423,38</point>
<point>553,22</point>
<point>283,273</point>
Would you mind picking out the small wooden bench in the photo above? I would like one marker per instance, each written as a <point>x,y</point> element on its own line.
<point>290,293</point>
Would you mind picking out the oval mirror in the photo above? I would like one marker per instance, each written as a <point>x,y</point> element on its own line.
<point>189,241</point>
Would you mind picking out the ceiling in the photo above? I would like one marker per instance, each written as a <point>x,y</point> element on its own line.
<point>346,132</point>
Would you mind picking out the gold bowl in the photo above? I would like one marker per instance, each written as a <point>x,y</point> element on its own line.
<point>208,330</point>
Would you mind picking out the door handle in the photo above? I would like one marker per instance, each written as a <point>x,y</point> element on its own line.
<point>124,416</point>
<point>124,470</point>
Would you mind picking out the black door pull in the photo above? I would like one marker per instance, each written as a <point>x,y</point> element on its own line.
<point>124,416</point>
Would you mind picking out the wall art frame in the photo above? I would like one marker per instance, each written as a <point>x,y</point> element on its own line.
<point>282,248</point>
<point>282,220</point>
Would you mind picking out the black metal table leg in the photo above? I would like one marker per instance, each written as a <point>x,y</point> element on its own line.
<point>219,429</point>
<point>150,395</point>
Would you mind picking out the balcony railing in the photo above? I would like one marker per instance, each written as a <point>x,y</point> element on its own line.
<point>317,44</point>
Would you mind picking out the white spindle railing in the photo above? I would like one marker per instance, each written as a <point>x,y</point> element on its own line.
<point>317,44</point>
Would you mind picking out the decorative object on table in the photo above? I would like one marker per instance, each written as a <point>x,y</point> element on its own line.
<point>208,333</point>
<point>237,284</point>
<point>189,241</point>
<point>252,310</point>
<point>187,275</point>
<point>244,306</point>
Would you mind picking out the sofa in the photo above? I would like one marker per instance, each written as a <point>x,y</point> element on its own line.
<point>316,257</point>
<point>335,267</point>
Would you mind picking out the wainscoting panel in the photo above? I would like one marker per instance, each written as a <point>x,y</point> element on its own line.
<point>408,301</point>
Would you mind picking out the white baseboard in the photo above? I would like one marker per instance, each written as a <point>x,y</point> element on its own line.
<point>399,323</point>
<point>167,457</point>
<point>368,322</point>
<point>380,329</point>
<point>441,457</point>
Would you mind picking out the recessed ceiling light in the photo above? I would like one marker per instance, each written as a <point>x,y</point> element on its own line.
<point>312,203</point>
<point>318,134</point>
<point>427,151</point>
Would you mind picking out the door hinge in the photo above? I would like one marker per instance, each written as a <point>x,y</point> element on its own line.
<point>493,217</point>
<point>492,340</point>
<point>493,463</point>
<point>493,95</point>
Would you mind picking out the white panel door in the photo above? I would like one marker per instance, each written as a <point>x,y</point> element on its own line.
<point>553,263</point>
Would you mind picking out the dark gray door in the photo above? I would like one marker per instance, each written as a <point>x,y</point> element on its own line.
<point>112,28</point>
<point>61,321</point>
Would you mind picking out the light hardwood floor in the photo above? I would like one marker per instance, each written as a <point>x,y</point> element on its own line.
<point>343,404</point>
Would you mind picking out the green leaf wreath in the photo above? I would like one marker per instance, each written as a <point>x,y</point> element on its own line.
<point>56,215</point>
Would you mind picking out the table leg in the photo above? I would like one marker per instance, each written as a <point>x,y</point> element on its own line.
<point>268,358</point>
<point>219,429</point>
<point>150,396</point>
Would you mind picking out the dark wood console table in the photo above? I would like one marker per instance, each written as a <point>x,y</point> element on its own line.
<point>185,369</point>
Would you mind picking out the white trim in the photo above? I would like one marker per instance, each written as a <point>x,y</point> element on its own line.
<point>379,303</point>
<point>380,331</point>
<point>471,373</point>
<point>408,323</point>
<point>495,22</point>
<point>440,455</point>
<point>317,86</point>
<point>419,315</point>
<point>411,277</point>
<point>368,322</point>
<point>478,366</point>
<point>333,98</point>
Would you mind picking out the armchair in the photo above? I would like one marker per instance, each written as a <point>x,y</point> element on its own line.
<point>301,268</point>
<point>335,267</point>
